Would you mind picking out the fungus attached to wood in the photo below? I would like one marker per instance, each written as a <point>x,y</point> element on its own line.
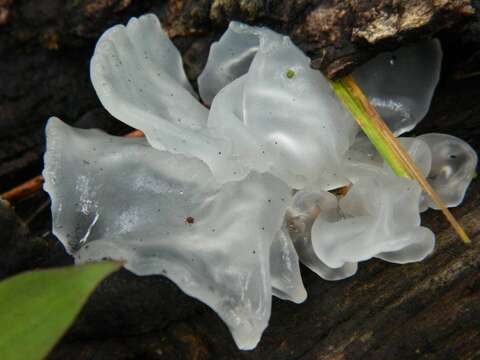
<point>227,201</point>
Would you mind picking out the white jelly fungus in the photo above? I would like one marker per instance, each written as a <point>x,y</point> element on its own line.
<point>120,198</point>
<point>227,201</point>
<point>400,84</point>
<point>452,168</point>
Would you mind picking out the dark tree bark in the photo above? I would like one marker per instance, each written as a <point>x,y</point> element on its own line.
<point>428,310</point>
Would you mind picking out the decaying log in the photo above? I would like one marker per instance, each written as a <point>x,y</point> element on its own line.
<point>428,310</point>
<point>336,34</point>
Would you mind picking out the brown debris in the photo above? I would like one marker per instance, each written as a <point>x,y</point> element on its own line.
<point>194,345</point>
<point>341,191</point>
<point>51,40</point>
<point>93,7</point>
<point>5,11</point>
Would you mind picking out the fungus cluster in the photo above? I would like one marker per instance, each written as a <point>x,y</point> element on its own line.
<point>227,200</point>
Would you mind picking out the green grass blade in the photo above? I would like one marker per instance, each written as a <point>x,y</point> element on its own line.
<point>366,124</point>
<point>386,143</point>
<point>36,308</point>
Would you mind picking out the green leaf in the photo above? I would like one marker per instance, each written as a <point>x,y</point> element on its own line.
<point>36,308</point>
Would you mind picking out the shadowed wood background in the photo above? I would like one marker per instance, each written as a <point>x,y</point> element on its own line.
<point>428,310</point>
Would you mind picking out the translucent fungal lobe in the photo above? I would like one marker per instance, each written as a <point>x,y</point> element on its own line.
<point>120,198</point>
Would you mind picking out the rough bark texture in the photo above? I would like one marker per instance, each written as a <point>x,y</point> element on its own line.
<point>429,310</point>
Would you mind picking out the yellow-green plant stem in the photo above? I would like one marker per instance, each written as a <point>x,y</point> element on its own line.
<point>386,143</point>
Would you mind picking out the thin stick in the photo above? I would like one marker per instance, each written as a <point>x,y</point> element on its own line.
<point>33,185</point>
<point>387,144</point>
<point>40,209</point>
<point>23,190</point>
<point>135,133</point>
